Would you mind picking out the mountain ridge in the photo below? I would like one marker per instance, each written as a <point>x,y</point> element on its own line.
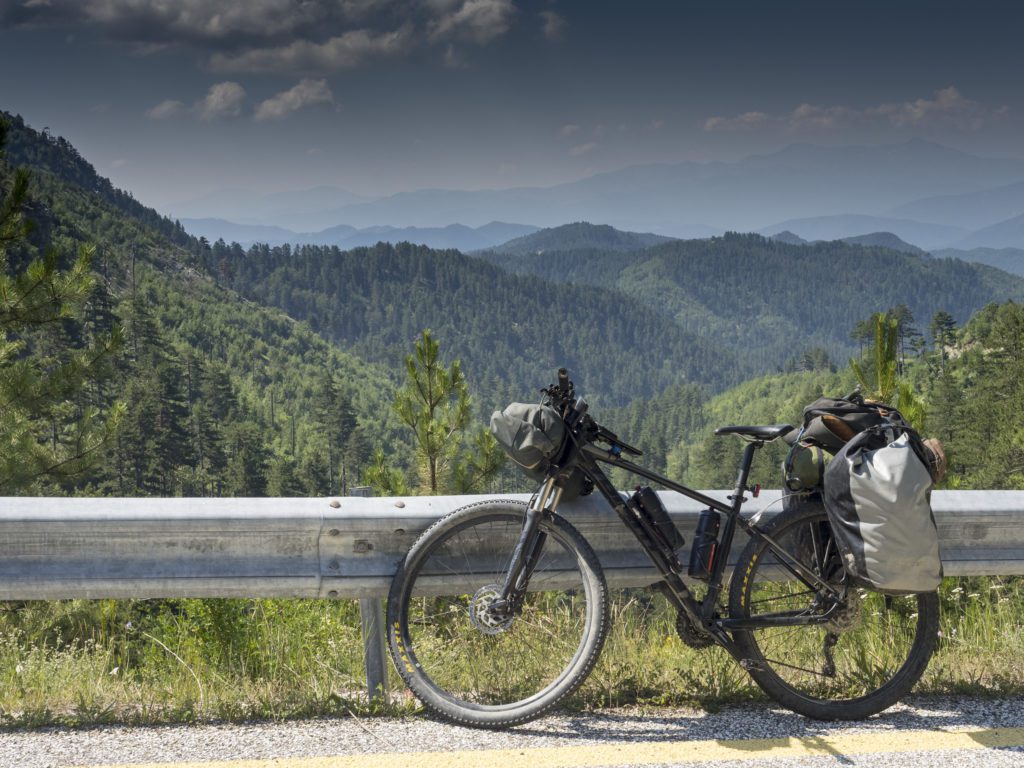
<point>346,236</point>
<point>690,199</point>
<point>580,235</point>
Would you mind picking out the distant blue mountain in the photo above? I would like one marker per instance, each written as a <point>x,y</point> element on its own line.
<point>344,236</point>
<point>845,226</point>
<point>971,210</point>
<point>1007,259</point>
<point>701,199</point>
<point>230,232</point>
<point>1004,234</point>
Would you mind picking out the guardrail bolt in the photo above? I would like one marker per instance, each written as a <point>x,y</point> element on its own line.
<point>400,504</point>
<point>335,503</point>
<point>362,545</point>
<point>399,531</point>
<point>334,565</point>
<point>333,532</point>
<point>333,593</point>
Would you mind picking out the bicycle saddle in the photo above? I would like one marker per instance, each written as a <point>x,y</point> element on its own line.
<point>767,433</point>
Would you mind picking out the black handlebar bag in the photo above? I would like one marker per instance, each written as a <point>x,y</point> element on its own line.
<point>877,494</point>
<point>533,437</point>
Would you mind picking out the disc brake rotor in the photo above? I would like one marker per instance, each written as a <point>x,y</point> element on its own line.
<point>484,616</point>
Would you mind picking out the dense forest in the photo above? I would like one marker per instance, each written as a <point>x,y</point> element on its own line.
<point>510,332</point>
<point>970,379</point>
<point>275,370</point>
<point>767,300</point>
<point>221,396</point>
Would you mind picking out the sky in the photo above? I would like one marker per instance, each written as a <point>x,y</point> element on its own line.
<point>177,99</point>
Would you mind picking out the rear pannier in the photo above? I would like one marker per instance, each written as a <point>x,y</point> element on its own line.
<point>877,495</point>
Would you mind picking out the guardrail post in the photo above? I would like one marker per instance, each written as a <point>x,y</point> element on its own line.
<point>371,618</point>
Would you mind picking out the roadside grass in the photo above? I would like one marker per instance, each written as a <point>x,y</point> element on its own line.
<point>81,663</point>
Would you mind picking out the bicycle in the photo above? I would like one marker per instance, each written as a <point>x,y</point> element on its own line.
<point>500,609</point>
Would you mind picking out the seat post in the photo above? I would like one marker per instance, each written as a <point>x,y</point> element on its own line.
<point>744,474</point>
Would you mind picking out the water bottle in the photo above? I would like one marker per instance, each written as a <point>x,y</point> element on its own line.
<point>705,545</point>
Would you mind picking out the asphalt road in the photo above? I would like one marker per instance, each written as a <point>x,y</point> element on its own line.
<point>921,732</point>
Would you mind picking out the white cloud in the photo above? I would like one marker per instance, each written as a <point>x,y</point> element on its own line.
<point>195,20</point>
<point>477,20</point>
<point>582,149</point>
<point>744,122</point>
<point>342,52</point>
<point>552,25</point>
<point>306,93</point>
<point>223,100</point>
<point>569,130</point>
<point>947,107</point>
<point>165,109</point>
<point>312,36</point>
<point>811,116</point>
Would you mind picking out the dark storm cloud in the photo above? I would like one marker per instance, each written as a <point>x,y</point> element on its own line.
<point>264,35</point>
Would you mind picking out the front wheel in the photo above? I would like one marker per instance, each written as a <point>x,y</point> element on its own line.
<point>868,656</point>
<point>482,667</point>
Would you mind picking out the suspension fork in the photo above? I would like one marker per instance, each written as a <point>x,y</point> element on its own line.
<point>529,547</point>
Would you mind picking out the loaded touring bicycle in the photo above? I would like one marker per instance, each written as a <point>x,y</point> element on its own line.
<point>500,609</point>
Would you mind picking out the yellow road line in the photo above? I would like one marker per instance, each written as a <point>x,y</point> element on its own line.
<point>639,752</point>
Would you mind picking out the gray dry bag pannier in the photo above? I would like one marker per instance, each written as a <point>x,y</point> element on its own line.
<point>876,494</point>
<point>530,434</point>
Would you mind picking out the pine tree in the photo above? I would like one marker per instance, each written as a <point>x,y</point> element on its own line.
<point>337,422</point>
<point>48,430</point>
<point>943,332</point>
<point>879,379</point>
<point>384,479</point>
<point>435,404</point>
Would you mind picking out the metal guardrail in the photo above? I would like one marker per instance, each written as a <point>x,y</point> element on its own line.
<point>347,547</point>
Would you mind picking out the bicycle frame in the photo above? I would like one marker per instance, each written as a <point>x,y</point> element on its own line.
<point>701,613</point>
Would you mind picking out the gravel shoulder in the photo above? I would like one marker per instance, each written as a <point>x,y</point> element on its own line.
<point>61,747</point>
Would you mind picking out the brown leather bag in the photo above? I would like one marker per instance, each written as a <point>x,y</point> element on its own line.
<point>937,463</point>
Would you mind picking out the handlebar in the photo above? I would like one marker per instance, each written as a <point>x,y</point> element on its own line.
<point>573,410</point>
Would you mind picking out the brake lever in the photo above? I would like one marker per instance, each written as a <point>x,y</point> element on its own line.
<point>610,437</point>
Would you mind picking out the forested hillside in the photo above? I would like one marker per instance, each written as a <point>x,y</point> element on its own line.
<point>226,396</point>
<point>580,235</point>
<point>971,381</point>
<point>223,397</point>
<point>768,300</point>
<point>511,332</point>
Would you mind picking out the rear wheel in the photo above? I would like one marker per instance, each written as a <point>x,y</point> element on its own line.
<point>867,657</point>
<point>473,663</point>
